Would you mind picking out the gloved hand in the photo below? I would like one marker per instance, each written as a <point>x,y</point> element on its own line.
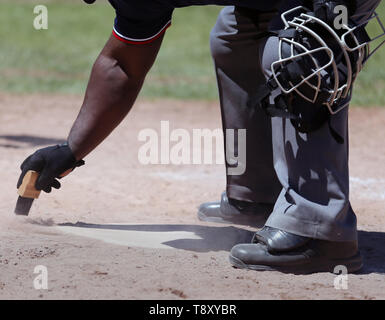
<point>324,9</point>
<point>51,163</point>
<point>89,1</point>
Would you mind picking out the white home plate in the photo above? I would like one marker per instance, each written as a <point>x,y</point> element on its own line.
<point>157,236</point>
<point>142,239</point>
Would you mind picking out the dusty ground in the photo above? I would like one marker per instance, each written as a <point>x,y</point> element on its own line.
<point>180,257</point>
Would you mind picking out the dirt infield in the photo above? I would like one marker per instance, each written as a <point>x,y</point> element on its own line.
<point>129,231</point>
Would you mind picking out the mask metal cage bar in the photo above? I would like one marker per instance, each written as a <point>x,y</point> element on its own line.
<point>350,31</point>
<point>339,92</point>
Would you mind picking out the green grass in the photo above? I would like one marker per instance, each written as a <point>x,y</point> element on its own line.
<point>59,59</point>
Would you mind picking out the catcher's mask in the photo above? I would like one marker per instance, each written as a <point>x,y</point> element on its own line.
<point>321,63</point>
<point>318,64</point>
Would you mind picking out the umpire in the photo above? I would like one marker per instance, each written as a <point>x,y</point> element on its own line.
<point>299,180</point>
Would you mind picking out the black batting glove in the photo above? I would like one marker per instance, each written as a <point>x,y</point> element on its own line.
<point>51,163</point>
<point>89,1</point>
<point>324,9</point>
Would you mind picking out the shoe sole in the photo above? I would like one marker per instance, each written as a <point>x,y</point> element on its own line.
<point>246,220</point>
<point>352,264</point>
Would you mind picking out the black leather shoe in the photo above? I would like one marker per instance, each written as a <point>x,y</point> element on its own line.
<point>276,250</point>
<point>235,212</point>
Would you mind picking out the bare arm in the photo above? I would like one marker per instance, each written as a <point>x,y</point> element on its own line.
<point>116,79</point>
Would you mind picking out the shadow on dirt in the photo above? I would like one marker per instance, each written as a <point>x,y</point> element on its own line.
<point>210,238</point>
<point>372,244</point>
<point>25,141</point>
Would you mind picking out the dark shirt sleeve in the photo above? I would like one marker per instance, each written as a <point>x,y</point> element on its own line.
<point>138,22</point>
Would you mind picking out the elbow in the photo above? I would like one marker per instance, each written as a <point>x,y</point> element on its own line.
<point>121,80</point>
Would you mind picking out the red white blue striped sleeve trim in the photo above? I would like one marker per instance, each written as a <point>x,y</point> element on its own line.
<point>125,39</point>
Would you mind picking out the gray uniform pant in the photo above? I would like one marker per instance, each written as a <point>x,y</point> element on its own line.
<point>305,175</point>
